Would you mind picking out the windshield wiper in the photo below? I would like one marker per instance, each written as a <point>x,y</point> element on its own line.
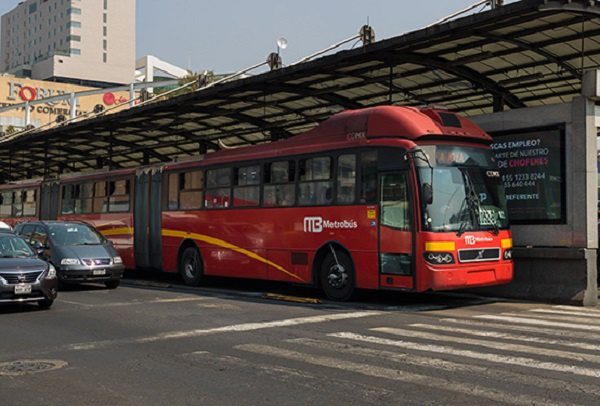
<point>472,202</point>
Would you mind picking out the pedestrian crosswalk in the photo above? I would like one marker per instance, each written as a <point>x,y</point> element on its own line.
<point>543,356</point>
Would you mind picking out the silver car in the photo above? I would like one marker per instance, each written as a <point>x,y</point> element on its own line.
<point>23,276</point>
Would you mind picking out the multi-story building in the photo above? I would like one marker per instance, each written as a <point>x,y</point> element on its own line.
<point>87,42</point>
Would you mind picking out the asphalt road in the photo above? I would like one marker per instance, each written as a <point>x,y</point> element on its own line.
<point>153,343</point>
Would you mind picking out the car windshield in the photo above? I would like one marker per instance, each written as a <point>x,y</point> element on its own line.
<point>12,246</point>
<point>468,194</point>
<point>74,234</point>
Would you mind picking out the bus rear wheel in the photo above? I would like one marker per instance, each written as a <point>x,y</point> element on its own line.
<point>190,266</point>
<point>337,276</point>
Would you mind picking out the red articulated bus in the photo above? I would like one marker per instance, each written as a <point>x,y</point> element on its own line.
<point>379,198</point>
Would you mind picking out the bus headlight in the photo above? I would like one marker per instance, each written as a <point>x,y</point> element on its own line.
<point>439,258</point>
<point>507,255</point>
<point>117,260</point>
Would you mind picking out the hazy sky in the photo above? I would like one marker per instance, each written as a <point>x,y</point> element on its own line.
<point>229,35</point>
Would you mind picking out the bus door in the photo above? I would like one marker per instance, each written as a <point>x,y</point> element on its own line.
<point>49,201</point>
<point>147,219</point>
<point>396,262</point>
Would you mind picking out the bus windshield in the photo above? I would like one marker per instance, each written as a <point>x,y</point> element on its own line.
<point>467,190</point>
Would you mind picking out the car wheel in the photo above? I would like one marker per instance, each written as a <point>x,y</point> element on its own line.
<point>190,266</point>
<point>337,276</point>
<point>45,303</point>
<point>112,284</point>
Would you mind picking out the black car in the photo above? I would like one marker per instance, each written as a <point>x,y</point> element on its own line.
<point>77,250</point>
<point>23,276</point>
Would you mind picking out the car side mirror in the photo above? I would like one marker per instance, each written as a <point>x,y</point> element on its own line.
<point>427,193</point>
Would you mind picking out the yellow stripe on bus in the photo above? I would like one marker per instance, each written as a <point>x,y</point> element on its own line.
<point>440,246</point>
<point>117,231</point>
<point>224,244</point>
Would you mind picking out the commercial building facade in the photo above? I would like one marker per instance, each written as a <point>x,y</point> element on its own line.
<point>90,43</point>
<point>15,91</point>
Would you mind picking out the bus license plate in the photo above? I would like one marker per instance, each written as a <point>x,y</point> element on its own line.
<point>22,289</point>
<point>99,272</point>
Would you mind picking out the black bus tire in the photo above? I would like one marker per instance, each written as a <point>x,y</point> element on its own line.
<point>112,284</point>
<point>190,266</point>
<point>337,279</point>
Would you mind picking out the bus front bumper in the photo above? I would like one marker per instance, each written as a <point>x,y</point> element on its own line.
<point>493,273</point>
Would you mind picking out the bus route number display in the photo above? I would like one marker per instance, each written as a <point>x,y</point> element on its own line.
<point>531,164</point>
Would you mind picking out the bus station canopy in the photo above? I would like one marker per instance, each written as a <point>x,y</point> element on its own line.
<point>527,53</point>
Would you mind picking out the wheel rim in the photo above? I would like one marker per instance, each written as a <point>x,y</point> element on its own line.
<point>338,276</point>
<point>190,266</point>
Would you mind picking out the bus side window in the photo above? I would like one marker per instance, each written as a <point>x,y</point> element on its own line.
<point>395,204</point>
<point>118,200</point>
<point>246,191</point>
<point>279,189</point>
<point>85,201</point>
<point>18,203</point>
<point>316,184</point>
<point>67,201</point>
<point>100,200</point>
<point>6,204</point>
<point>30,203</point>
<point>218,191</point>
<point>346,179</point>
<point>368,177</point>
<point>173,191</point>
<point>190,193</point>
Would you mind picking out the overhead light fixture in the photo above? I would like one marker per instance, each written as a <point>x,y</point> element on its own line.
<point>521,79</point>
<point>282,43</point>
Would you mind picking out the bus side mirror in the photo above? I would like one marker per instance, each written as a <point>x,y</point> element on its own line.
<point>427,193</point>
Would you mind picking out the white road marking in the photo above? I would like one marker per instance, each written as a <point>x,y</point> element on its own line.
<point>226,329</point>
<point>592,310</point>
<point>134,303</point>
<point>506,336</point>
<point>592,316</point>
<point>450,366</point>
<point>466,389</point>
<point>495,358</point>
<point>536,322</point>
<point>220,306</point>
<point>526,329</point>
<point>573,319</point>
<point>502,346</point>
<point>370,394</point>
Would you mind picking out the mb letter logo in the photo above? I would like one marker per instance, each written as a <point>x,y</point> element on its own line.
<point>470,240</point>
<point>313,224</point>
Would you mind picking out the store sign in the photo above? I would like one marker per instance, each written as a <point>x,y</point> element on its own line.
<point>21,92</point>
<point>531,164</point>
<point>18,91</point>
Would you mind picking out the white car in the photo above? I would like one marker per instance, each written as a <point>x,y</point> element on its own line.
<point>4,226</point>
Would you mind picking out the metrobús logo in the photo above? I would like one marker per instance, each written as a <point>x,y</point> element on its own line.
<point>473,240</point>
<point>318,224</point>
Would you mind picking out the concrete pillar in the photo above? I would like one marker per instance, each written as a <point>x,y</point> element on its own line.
<point>27,114</point>
<point>131,95</point>
<point>73,106</point>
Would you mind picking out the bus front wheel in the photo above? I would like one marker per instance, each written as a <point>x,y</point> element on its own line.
<point>190,266</point>
<point>337,276</point>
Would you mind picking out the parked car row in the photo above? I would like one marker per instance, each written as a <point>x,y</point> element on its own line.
<point>40,255</point>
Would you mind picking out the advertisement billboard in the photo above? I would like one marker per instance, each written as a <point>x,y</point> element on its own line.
<point>532,165</point>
